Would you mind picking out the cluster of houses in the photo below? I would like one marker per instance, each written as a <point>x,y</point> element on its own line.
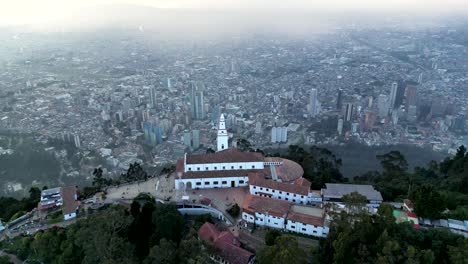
<point>64,198</point>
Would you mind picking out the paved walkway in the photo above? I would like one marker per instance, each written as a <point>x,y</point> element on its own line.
<point>161,187</point>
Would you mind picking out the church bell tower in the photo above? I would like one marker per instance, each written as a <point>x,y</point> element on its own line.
<point>222,139</point>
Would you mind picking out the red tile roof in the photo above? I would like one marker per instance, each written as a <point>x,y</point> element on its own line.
<point>288,171</point>
<point>208,232</point>
<point>215,174</point>
<point>301,188</point>
<point>306,219</point>
<point>70,204</point>
<point>226,242</point>
<point>252,204</point>
<point>228,155</point>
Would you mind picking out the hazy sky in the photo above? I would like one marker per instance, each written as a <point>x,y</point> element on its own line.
<point>46,11</point>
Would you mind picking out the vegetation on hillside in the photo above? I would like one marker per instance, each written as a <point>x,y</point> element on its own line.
<point>10,207</point>
<point>146,233</point>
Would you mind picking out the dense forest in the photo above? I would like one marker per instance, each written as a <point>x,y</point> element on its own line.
<point>145,232</point>
<point>11,208</point>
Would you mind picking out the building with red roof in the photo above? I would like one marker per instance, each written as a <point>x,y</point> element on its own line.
<point>229,246</point>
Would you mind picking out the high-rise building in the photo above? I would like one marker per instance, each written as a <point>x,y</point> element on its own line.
<point>369,120</point>
<point>420,78</point>
<point>393,96</point>
<point>354,127</point>
<point>349,112</point>
<point>195,139</point>
<point>412,114</point>
<point>314,103</point>
<point>153,101</point>
<point>383,105</point>
<point>279,134</point>
<point>339,129</point>
<point>169,83</point>
<point>222,140</point>
<point>411,95</point>
<point>397,93</point>
<point>187,138</point>
<point>77,141</point>
<point>197,100</point>
<point>215,114</point>
<point>339,100</point>
<point>258,127</point>
<point>152,133</point>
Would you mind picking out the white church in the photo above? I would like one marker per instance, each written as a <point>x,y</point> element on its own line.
<point>269,177</point>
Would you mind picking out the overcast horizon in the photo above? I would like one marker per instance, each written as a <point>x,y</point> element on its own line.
<point>61,12</point>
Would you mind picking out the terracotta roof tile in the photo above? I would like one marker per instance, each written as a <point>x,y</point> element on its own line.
<point>265,205</point>
<point>226,242</point>
<point>228,155</point>
<point>306,219</point>
<point>258,179</point>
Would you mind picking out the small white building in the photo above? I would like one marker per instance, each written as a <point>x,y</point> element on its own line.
<point>307,220</point>
<point>265,211</point>
<point>333,193</point>
<point>283,215</point>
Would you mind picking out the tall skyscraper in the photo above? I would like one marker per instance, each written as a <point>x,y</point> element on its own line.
<point>314,103</point>
<point>420,78</point>
<point>349,112</point>
<point>411,95</point>
<point>197,100</point>
<point>153,101</point>
<point>169,83</point>
<point>400,93</point>
<point>196,139</point>
<point>339,129</point>
<point>279,134</point>
<point>76,139</point>
<point>383,105</point>
<point>393,95</point>
<point>187,138</point>
<point>258,127</point>
<point>215,114</point>
<point>339,100</point>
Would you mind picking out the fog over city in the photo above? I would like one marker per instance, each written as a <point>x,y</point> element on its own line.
<point>233,131</point>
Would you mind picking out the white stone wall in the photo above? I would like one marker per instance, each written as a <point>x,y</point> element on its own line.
<point>264,220</point>
<point>207,183</point>
<point>69,216</point>
<point>280,195</point>
<point>318,231</point>
<point>224,166</point>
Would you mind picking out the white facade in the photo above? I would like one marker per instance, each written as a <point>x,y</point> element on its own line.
<point>264,220</point>
<point>224,166</point>
<point>308,229</point>
<point>207,183</point>
<point>279,134</point>
<point>280,195</point>
<point>69,216</point>
<point>222,140</point>
<point>279,222</point>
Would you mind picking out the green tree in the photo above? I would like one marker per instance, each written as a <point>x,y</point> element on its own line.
<point>168,223</point>
<point>428,202</point>
<point>355,202</point>
<point>285,250</point>
<point>98,180</point>
<point>271,236</point>
<point>164,253</point>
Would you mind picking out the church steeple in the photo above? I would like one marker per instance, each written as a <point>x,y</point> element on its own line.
<point>222,139</point>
